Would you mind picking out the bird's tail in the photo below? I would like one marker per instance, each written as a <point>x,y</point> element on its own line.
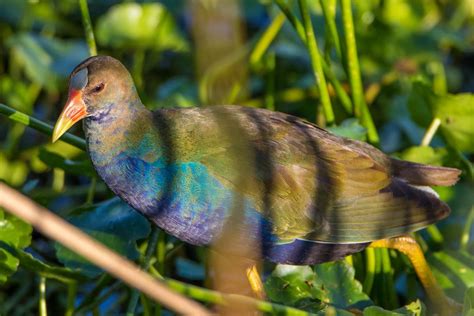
<point>424,175</point>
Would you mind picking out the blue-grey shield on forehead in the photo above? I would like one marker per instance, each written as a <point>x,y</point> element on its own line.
<point>79,79</point>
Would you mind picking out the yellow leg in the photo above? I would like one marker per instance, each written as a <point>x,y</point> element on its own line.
<point>255,282</point>
<point>408,246</point>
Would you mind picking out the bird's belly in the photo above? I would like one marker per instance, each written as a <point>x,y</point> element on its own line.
<point>184,200</point>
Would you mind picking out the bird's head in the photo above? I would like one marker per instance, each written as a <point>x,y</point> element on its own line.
<point>95,85</point>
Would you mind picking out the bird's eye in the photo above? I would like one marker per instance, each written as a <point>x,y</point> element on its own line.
<point>98,88</point>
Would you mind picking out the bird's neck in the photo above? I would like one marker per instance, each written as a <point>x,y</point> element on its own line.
<point>117,129</point>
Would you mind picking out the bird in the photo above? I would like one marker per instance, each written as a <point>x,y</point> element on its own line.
<point>292,192</point>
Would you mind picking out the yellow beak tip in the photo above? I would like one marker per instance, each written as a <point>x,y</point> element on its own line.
<point>60,129</point>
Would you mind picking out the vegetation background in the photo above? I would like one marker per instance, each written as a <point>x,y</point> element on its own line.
<point>404,84</point>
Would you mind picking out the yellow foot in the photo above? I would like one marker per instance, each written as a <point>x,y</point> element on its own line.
<point>255,282</point>
<point>408,246</point>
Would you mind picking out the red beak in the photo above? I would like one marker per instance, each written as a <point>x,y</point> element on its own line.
<point>74,110</point>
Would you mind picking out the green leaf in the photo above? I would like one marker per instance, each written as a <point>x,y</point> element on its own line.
<point>331,283</point>
<point>456,113</point>
<point>12,172</point>
<point>457,120</point>
<point>15,233</point>
<point>33,264</point>
<point>430,156</point>
<point>420,103</point>
<point>468,307</point>
<point>15,93</point>
<point>454,271</point>
<point>115,224</point>
<point>133,25</point>
<point>350,128</point>
<point>404,14</point>
<point>413,309</point>
<point>290,284</point>
<point>45,59</point>
<point>340,287</point>
<point>54,160</point>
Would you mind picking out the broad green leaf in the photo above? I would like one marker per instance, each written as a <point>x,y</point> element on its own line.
<point>413,309</point>
<point>82,167</point>
<point>456,113</point>
<point>44,59</point>
<point>133,25</point>
<point>15,233</point>
<point>429,155</point>
<point>15,93</point>
<point>420,103</point>
<point>291,284</point>
<point>468,307</point>
<point>340,287</point>
<point>33,264</point>
<point>350,128</point>
<point>12,172</point>
<point>330,284</point>
<point>454,271</point>
<point>405,14</point>
<point>457,120</point>
<point>113,223</point>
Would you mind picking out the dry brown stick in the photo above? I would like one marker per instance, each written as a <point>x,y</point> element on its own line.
<point>71,237</point>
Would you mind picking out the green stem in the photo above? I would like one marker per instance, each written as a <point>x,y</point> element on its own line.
<point>350,260</point>
<point>42,297</point>
<point>316,62</point>
<point>234,93</point>
<point>71,298</point>
<point>214,297</point>
<point>209,296</point>
<point>216,69</point>
<point>368,122</point>
<point>331,26</point>
<point>352,59</point>
<point>341,94</point>
<point>440,86</point>
<point>146,305</point>
<point>91,191</point>
<point>292,18</point>
<point>378,282</point>
<point>132,305</point>
<point>40,126</point>
<point>469,167</point>
<point>391,296</point>
<point>338,89</point>
<point>101,297</point>
<point>467,230</point>
<point>58,179</point>
<point>86,21</point>
<point>360,107</point>
<point>161,259</point>
<point>270,81</point>
<point>436,236</point>
<point>137,70</point>
<point>370,270</point>
<point>100,286</point>
<point>161,252</point>
<point>267,38</point>
<point>430,132</point>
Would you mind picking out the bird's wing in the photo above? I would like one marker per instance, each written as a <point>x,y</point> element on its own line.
<point>309,183</point>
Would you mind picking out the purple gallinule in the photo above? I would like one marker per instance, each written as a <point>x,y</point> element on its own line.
<point>295,193</point>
